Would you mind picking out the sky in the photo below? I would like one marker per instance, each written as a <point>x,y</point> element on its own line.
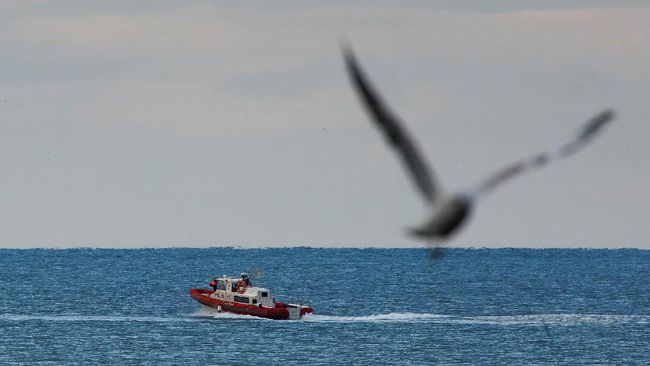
<point>232,123</point>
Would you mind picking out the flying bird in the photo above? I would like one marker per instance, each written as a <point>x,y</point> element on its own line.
<point>450,211</point>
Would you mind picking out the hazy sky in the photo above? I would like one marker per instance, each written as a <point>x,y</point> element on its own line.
<point>197,123</point>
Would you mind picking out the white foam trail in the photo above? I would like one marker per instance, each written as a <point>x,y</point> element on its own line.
<point>538,319</point>
<point>205,312</point>
<point>556,319</point>
<point>391,317</point>
<point>208,312</point>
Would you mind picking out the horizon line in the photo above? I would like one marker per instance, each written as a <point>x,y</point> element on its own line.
<point>320,247</point>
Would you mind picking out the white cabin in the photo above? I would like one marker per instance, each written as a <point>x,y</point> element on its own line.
<point>227,290</point>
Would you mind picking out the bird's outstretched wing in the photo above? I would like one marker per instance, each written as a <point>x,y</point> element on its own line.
<point>393,129</point>
<point>584,135</point>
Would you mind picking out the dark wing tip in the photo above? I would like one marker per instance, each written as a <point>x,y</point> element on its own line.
<point>597,122</point>
<point>603,117</point>
<point>353,66</point>
<point>608,114</point>
<point>369,96</point>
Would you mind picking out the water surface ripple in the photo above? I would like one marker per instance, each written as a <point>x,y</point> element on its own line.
<point>373,306</point>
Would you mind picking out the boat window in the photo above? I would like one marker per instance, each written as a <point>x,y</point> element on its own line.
<point>241,299</point>
<point>233,286</point>
<point>265,294</point>
<point>221,285</point>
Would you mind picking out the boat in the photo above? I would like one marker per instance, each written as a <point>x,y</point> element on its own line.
<point>239,296</point>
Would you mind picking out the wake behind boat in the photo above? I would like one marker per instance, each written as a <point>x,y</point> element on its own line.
<point>239,296</point>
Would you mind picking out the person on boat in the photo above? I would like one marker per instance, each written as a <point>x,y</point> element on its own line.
<point>243,283</point>
<point>213,283</point>
<point>244,277</point>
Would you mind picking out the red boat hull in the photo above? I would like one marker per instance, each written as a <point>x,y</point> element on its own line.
<point>280,312</point>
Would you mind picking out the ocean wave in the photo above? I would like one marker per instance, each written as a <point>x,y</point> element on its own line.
<point>91,318</point>
<point>121,318</point>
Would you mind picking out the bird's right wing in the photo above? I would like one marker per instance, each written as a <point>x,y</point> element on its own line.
<point>584,135</point>
<point>395,133</point>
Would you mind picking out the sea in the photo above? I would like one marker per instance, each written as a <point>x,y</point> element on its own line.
<point>372,307</point>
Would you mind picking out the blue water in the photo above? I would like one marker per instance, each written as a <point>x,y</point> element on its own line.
<point>373,306</point>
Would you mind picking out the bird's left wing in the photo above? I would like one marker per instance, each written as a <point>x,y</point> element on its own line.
<point>584,135</point>
<point>393,129</point>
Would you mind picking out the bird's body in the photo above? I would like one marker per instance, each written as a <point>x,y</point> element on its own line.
<point>449,216</point>
<point>450,212</point>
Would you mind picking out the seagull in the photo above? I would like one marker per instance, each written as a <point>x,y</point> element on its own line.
<point>450,211</point>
